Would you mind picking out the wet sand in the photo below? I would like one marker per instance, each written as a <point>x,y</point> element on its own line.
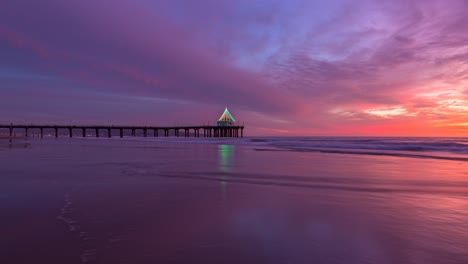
<point>117,201</point>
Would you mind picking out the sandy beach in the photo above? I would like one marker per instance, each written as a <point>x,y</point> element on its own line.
<point>123,201</point>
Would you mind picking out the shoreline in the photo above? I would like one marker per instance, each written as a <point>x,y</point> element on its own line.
<point>391,148</point>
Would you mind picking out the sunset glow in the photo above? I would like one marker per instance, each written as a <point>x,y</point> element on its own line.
<point>335,67</point>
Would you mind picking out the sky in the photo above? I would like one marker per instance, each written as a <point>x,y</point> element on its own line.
<point>296,67</point>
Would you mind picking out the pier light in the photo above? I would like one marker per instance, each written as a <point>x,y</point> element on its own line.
<point>226,119</point>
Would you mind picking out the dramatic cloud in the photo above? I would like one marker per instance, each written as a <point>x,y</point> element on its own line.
<point>335,67</point>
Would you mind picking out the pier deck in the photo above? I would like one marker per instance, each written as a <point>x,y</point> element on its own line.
<point>208,131</point>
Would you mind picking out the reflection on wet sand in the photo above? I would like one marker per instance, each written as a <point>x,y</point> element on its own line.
<point>9,143</point>
<point>226,159</point>
<point>98,201</point>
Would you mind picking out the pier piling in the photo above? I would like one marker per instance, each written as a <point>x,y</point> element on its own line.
<point>208,131</point>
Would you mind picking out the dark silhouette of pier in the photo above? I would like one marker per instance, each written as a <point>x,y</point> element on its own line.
<point>208,131</point>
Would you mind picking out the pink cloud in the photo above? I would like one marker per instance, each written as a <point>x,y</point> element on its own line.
<point>280,67</point>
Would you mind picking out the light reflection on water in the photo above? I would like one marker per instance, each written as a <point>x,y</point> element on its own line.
<point>226,157</point>
<point>226,164</point>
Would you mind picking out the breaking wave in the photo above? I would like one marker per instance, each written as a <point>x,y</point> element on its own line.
<point>413,147</point>
<point>435,148</point>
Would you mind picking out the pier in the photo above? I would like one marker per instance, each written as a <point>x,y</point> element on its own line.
<point>208,131</point>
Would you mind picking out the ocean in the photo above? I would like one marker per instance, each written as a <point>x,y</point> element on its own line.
<point>234,200</point>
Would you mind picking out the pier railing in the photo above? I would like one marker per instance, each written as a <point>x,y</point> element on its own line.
<point>208,131</point>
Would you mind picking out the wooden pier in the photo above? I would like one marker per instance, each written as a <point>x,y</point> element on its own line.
<point>208,131</point>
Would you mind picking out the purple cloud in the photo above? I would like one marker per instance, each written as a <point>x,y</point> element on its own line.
<point>307,68</point>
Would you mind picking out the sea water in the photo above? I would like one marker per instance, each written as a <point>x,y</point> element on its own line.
<point>237,200</point>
